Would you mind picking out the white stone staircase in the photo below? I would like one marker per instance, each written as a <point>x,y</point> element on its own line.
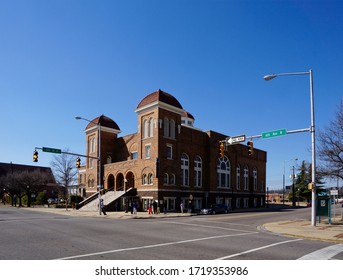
<point>108,198</point>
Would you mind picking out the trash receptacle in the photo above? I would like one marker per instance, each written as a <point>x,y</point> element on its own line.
<point>323,207</point>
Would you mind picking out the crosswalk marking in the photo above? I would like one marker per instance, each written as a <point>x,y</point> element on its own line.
<point>324,254</point>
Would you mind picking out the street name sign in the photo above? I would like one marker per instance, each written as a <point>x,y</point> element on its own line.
<point>51,150</point>
<point>334,192</point>
<point>269,134</point>
<point>235,139</point>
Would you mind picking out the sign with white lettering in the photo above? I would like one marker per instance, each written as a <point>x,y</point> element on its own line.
<point>235,139</point>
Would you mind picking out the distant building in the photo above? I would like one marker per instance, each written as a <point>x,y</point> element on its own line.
<point>169,160</point>
<point>277,197</point>
<point>51,189</point>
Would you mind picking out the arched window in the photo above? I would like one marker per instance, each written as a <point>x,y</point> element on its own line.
<point>172,179</point>
<point>197,171</point>
<point>223,173</point>
<point>169,179</point>
<point>144,179</point>
<point>91,145</point>
<point>166,179</point>
<point>246,178</point>
<point>254,172</point>
<point>151,128</point>
<point>166,127</point>
<point>150,179</point>
<point>184,170</point>
<point>172,129</point>
<point>238,177</point>
<point>146,129</point>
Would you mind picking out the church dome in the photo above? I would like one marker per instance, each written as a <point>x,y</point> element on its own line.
<point>104,122</point>
<point>187,119</point>
<point>187,115</point>
<point>159,96</point>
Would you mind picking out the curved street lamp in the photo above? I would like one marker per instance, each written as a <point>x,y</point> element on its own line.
<point>313,138</point>
<point>99,157</point>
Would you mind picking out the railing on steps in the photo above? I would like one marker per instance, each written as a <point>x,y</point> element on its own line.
<point>87,200</point>
<point>91,198</point>
<point>91,204</point>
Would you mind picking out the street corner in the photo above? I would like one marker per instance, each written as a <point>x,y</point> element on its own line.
<point>304,229</point>
<point>287,227</point>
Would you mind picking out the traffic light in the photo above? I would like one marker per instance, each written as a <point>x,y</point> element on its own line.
<point>78,162</point>
<point>250,148</point>
<point>222,150</point>
<point>35,156</point>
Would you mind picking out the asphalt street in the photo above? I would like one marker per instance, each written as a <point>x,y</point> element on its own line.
<point>35,235</point>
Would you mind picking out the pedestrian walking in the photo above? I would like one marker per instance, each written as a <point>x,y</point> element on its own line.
<point>150,209</point>
<point>181,206</point>
<point>134,206</point>
<point>102,207</point>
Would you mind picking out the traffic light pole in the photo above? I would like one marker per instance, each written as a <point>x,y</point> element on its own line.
<point>58,151</point>
<point>287,132</point>
<point>236,140</point>
<point>242,138</point>
<point>73,154</point>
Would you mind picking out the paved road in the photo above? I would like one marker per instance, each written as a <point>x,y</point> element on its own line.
<point>37,235</point>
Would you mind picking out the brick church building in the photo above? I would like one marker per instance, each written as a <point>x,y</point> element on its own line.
<point>169,160</point>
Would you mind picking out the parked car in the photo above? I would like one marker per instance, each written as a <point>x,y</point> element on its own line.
<point>52,200</point>
<point>215,209</point>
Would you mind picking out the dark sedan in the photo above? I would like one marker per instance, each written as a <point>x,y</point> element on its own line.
<point>215,209</point>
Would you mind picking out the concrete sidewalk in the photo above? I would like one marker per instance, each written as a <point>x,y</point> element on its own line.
<point>110,215</point>
<point>303,229</point>
<point>295,228</point>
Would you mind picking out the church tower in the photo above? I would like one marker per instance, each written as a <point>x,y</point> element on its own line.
<point>101,133</point>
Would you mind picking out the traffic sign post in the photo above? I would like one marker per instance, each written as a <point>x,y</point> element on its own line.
<point>235,139</point>
<point>59,151</point>
<point>275,133</point>
<point>51,150</point>
<point>334,193</point>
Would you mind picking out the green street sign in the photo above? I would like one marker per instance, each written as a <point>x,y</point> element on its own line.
<point>269,134</point>
<point>51,150</point>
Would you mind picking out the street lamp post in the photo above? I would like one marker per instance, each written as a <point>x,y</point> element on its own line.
<point>99,157</point>
<point>293,188</point>
<point>312,130</point>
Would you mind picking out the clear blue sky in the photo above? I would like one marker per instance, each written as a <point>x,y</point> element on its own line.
<point>63,58</point>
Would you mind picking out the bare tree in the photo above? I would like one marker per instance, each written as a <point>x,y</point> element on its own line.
<point>9,183</point>
<point>65,171</point>
<point>26,183</point>
<point>330,148</point>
